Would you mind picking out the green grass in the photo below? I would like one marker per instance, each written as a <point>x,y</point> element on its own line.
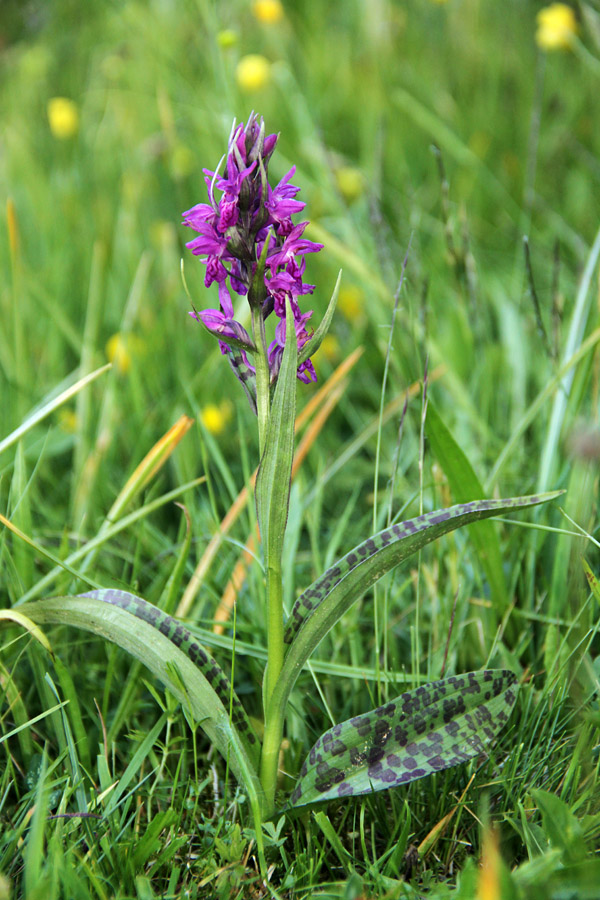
<point>372,86</point>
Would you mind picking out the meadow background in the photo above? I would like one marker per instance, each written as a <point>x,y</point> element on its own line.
<point>441,130</point>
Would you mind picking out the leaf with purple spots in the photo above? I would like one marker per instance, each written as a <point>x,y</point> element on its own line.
<point>428,729</point>
<point>351,576</point>
<point>164,645</point>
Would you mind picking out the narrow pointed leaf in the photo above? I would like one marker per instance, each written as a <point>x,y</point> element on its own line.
<point>275,470</point>
<point>431,728</point>
<point>17,618</point>
<point>164,646</point>
<point>151,464</point>
<point>352,575</point>
<point>312,345</point>
<point>49,405</point>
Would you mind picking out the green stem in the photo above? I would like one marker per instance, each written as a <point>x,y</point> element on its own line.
<point>269,762</point>
<point>275,644</point>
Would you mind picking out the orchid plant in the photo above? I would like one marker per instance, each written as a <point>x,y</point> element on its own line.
<point>252,249</point>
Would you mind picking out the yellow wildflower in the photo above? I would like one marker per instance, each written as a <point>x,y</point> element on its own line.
<point>227,38</point>
<point>330,347</point>
<point>350,183</point>
<point>268,11</point>
<point>120,349</point>
<point>351,302</point>
<point>182,162</point>
<point>253,72</point>
<point>68,420</point>
<point>215,418</point>
<point>162,234</point>
<point>63,117</point>
<point>557,27</point>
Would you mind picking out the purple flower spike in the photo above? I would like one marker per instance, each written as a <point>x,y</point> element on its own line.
<point>232,229</point>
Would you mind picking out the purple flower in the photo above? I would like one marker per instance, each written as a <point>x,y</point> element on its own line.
<point>306,371</point>
<point>221,321</point>
<point>293,245</point>
<point>280,204</point>
<point>244,211</point>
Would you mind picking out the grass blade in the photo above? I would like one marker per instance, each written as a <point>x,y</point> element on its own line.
<point>36,417</point>
<point>465,485</point>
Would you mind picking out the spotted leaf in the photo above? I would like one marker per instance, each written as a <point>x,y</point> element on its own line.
<point>353,574</point>
<point>173,654</point>
<point>431,728</point>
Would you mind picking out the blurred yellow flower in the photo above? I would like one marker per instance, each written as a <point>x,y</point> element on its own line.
<point>557,27</point>
<point>330,347</point>
<point>268,11</point>
<point>182,162</point>
<point>227,38</point>
<point>68,420</point>
<point>120,348</point>
<point>351,302</point>
<point>253,72</point>
<point>63,117</point>
<point>162,233</point>
<point>215,418</point>
<point>350,183</point>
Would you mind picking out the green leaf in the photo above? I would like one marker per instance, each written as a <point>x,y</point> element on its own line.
<point>151,843</point>
<point>164,645</point>
<point>344,582</point>
<point>11,695</point>
<point>431,728</point>
<point>275,471</point>
<point>334,839</point>
<point>330,596</point>
<point>561,827</point>
<point>30,722</point>
<point>465,485</point>
<point>16,617</point>
<point>49,404</point>
<point>547,877</point>
<point>316,340</point>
